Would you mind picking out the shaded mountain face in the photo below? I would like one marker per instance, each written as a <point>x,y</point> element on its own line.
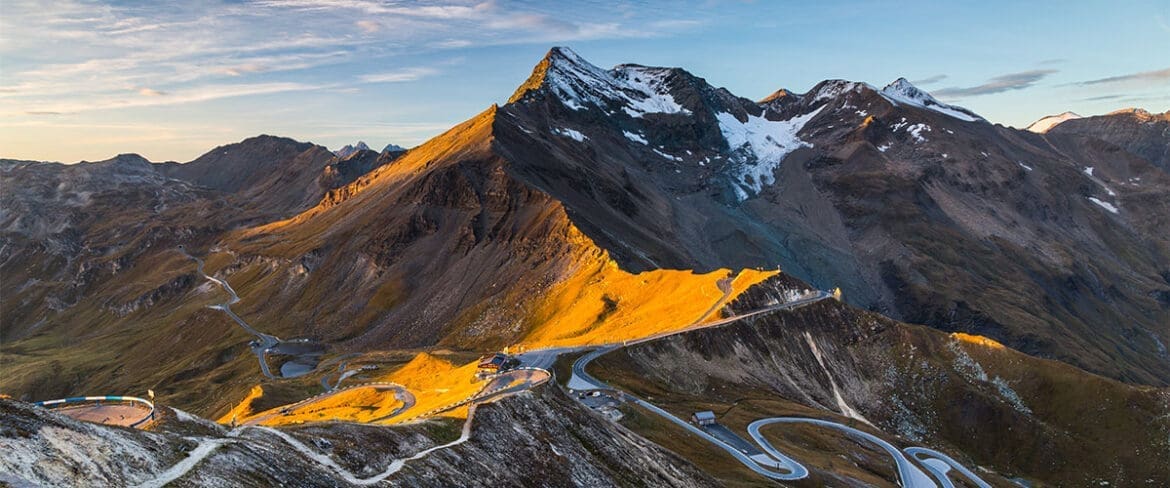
<point>68,231</point>
<point>274,176</point>
<point>1134,130</point>
<point>240,166</point>
<point>918,209</point>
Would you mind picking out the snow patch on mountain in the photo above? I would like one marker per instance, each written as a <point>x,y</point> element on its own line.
<point>1047,123</point>
<point>635,137</point>
<point>570,133</point>
<point>667,156</point>
<point>902,92</point>
<point>1105,205</point>
<point>916,130</point>
<point>638,90</point>
<point>1089,172</point>
<point>834,88</point>
<point>648,87</point>
<point>759,145</point>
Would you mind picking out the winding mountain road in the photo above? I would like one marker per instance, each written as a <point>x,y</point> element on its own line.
<point>264,343</point>
<point>394,466</point>
<point>208,446</point>
<point>205,448</point>
<point>910,476</point>
<point>926,456</point>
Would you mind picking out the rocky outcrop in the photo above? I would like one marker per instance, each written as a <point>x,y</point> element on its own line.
<point>537,438</point>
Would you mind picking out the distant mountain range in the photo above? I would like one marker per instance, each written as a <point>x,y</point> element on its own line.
<point>1050,241</point>
<point>350,149</point>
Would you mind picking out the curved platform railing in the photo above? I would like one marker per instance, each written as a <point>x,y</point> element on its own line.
<point>108,398</point>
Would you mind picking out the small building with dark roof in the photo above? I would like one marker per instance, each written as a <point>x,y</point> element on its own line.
<point>494,363</point>
<point>705,417</point>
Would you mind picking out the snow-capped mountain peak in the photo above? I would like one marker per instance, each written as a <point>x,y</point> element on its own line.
<point>903,88</point>
<point>902,92</point>
<point>830,89</point>
<point>1047,123</point>
<point>633,89</point>
<point>350,149</point>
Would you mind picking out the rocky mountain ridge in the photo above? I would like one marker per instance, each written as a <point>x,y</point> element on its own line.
<point>838,186</point>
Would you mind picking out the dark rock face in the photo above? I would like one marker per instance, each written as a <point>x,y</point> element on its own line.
<point>65,230</point>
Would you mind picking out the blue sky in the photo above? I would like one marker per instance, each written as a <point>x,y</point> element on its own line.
<point>87,80</point>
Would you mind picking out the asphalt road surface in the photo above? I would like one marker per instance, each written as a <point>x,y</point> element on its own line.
<point>931,459</point>
<point>909,474</point>
<point>124,415</point>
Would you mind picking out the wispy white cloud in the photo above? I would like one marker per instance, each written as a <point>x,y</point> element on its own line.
<point>368,26</point>
<point>67,59</point>
<point>146,97</point>
<point>408,74</point>
<point>96,53</point>
<point>998,84</point>
<point>373,7</point>
<point>1161,76</point>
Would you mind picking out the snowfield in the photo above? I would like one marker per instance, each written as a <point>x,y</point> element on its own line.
<point>760,145</point>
